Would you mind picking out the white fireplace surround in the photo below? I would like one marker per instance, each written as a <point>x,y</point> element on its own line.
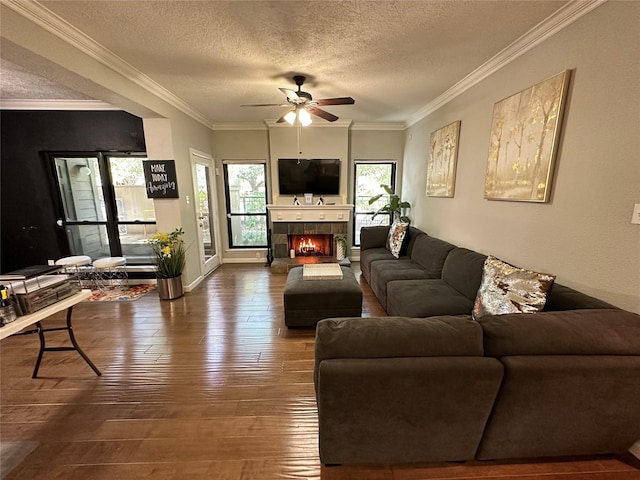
<point>310,213</point>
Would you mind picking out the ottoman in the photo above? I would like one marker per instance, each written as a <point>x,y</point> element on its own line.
<point>306,302</point>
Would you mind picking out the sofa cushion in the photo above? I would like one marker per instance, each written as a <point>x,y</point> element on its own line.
<point>373,237</point>
<point>395,239</point>
<point>385,271</point>
<point>367,257</point>
<point>565,298</point>
<point>571,332</point>
<point>425,298</point>
<point>430,253</point>
<point>385,337</point>
<point>564,405</point>
<point>463,271</point>
<point>508,289</point>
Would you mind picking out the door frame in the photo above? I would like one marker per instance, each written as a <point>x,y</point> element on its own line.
<point>202,158</point>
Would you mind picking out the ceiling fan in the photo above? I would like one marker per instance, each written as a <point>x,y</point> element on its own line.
<point>302,104</point>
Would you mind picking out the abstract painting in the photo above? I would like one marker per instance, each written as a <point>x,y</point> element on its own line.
<point>443,156</point>
<point>524,140</point>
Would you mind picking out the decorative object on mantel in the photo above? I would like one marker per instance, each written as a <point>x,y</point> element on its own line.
<point>394,206</point>
<point>296,201</point>
<point>169,259</point>
<point>341,245</point>
<point>320,201</point>
<point>443,156</point>
<point>524,141</point>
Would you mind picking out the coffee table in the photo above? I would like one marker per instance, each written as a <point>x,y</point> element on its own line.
<point>307,301</point>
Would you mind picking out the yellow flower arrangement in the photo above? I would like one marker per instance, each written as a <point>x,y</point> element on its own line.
<point>169,253</point>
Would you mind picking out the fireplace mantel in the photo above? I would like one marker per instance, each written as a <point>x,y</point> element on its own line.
<point>310,213</point>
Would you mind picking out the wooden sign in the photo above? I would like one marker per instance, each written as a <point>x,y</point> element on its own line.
<point>160,178</point>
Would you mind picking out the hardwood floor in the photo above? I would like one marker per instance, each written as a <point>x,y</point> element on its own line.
<point>210,386</point>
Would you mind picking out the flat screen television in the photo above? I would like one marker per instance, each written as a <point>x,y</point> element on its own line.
<point>309,175</point>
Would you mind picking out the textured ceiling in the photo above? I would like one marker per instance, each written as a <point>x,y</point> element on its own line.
<point>393,57</point>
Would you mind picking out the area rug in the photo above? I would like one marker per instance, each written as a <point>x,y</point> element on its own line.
<point>116,294</point>
<point>12,453</point>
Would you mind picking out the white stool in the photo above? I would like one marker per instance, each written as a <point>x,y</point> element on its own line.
<point>77,265</point>
<point>111,268</point>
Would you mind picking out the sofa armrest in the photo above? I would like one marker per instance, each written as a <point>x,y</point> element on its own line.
<point>374,237</point>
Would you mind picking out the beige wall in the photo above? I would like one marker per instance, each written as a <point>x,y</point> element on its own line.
<point>321,141</point>
<point>584,234</point>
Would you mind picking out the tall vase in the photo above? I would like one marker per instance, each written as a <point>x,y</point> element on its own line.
<point>170,288</point>
<point>340,251</point>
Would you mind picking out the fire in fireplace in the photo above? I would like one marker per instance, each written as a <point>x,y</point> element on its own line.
<point>311,245</point>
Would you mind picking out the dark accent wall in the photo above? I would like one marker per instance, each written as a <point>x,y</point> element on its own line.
<point>28,199</point>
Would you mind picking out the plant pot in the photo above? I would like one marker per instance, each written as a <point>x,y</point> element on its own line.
<point>170,288</point>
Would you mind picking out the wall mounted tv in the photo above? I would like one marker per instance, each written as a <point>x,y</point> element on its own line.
<point>309,175</point>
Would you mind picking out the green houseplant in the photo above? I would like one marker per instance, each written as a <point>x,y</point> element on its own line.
<point>394,206</point>
<point>169,259</point>
<point>341,245</point>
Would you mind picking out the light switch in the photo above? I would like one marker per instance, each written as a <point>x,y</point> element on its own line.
<point>635,218</point>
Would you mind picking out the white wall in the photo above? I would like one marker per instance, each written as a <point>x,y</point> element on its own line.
<point>584,234</point>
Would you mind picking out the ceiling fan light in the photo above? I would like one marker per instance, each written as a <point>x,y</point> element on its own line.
<point>304,117</point>
<point>290,117</point>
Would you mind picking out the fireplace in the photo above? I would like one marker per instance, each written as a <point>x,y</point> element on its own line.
<point>311,245</point>
<point>285,235</point>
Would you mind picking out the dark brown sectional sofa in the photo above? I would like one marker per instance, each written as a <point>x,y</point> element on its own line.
<point>429,383</point>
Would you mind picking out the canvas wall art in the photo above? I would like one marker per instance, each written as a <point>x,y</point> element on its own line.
<point>524,140</point>
<point>443,156</point>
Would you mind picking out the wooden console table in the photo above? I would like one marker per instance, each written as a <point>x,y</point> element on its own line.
<point>16,327</point>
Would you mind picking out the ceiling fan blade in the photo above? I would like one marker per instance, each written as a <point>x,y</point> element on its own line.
<point>322,114</point>
<point>291,95</point>
<point>265,105</point>
<point>336,101</point>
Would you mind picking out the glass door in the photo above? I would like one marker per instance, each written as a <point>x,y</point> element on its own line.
<point>84,216</point>
<point>104,209</point>
<point>206,211</point>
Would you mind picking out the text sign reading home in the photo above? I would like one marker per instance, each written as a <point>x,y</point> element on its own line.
<point>160,178</point>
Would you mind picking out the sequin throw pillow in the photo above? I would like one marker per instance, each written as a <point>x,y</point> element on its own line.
<point>508,289</point>
<point>397,232</point>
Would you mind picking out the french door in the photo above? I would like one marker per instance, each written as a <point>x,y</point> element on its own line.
<point>205,204</point>
<point>103,206</point>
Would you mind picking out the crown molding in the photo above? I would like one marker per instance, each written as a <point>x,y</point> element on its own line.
<point>345,123</point>
<point>55,25</point>
<point>538,34</point>
<point>239,126</point>
<point>379,126</point>
<point>9,104</point>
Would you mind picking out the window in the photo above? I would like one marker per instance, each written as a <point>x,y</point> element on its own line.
<point>368,178</point>
<point>246,195</point>
<point>103,205</point>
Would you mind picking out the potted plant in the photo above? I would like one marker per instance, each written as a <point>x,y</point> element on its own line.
<point>169,259</point>
<point>394,206</point>
<point>341,245</point>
